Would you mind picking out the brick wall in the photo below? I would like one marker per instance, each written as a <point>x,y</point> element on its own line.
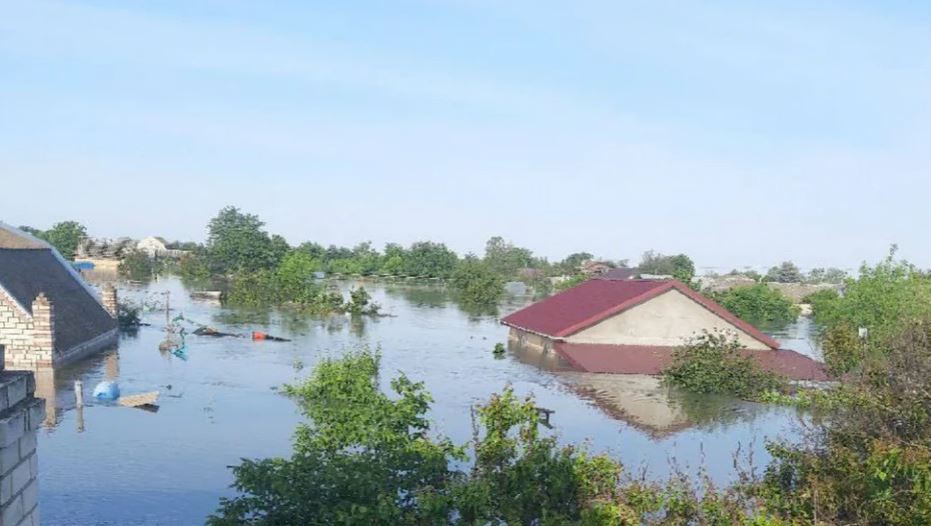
<point>20,416</point>
<point>16,329</point>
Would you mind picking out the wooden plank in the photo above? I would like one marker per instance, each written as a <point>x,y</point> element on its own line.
<point>137,400</point>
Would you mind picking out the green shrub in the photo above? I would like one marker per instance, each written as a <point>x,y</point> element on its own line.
<point>137,265</point>
<point>870,462</point>
<point>713,363</point>
<point>128,315</point>
<point>571,282</point>
<point>369,458</point>
<point>821,301</point>
<point>476,284</point>
<point>885,299</point>
<point>758,304</point>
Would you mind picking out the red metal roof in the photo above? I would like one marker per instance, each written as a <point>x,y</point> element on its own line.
<point>644,359</point>
<point>595,300</point>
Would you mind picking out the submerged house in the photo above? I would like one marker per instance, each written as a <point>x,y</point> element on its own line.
<point>632,326</point>
<point>48,314</point>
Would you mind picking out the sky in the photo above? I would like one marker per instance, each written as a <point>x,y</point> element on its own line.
<point>740,133</point>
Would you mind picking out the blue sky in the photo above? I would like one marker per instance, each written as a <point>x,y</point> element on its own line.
<point>739,133</point>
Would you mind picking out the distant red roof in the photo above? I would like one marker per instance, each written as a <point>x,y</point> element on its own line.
<point>644,359</point>
<point>595,300</point>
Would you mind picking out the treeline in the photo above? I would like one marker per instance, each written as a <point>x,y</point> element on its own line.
<point>263,268</point>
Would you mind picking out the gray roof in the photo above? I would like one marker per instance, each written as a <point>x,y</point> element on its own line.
<point>27,270</point>
<point>14,238</point>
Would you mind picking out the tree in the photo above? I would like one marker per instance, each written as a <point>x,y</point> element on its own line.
<point>830,275</point>
<point>393,263</point>
<point>759,304</point>
<point>786,272</point>
<point>65,237</point>
<point>505,259</point>
<point>573,262</point>
<point>296,277</point>
<point>476,284</point>
<point>236,242</point>
<point>429,259</point>
<point>679,266</point>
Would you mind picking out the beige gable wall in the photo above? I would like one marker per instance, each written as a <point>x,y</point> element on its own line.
<point>666,320</point>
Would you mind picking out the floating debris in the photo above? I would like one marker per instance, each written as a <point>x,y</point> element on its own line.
<point>261,336</point>
<point>107,391</point>
<point>138,400</point>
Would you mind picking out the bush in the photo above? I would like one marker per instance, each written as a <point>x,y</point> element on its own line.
<point>571,282</point>
<point>870,462</point>
<point>885,299</point>
<point>368,458</point>
<point>759,304</point>
<point>821,301</point>
<point>137,265</point>
<point>128,315</point>
<point>713,363</point>
<point>475,284</point>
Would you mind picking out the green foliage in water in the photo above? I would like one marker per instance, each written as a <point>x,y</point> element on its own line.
<point>367,458</point>
<point>821,301</point>
<point>476,284</point>
<point>713,363</point>
<point>505,259</point>
<point>758,304</point>
<point>429,259</point>
<point>139,266</point>
<point>237,242</point>
<point>870,462</point>
<point>128,315</point>
<point>884,299</point>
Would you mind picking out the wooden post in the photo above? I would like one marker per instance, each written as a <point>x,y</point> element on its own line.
<point>78,393</point>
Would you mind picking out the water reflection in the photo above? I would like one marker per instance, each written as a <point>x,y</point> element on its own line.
<point>642,401</point>
<point>57,386</point>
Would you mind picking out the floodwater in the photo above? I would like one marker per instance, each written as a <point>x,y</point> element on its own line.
<point>111,465</point>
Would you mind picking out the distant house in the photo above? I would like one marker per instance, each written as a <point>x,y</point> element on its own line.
<point>633,326</point>
<point>157,247</point>
<point>153,246</point>
<point>619,274</point>
<point>48,314</point>
<point>594,268</point>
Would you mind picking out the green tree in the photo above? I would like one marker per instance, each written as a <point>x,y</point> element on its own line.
<point>65,237</point>
<point>884,299</point>
<point>786,272</point>
<point>759,304</point>
<point>138,265</point>
<point>429,259</point>
<point>679,266</point>
<point>295,277</point>
<point>573,262</point>
<point>394,259</point>
<point>505,259</point>
<point>477,284</point>
<point>366,459</point>
<point>236,242</point>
